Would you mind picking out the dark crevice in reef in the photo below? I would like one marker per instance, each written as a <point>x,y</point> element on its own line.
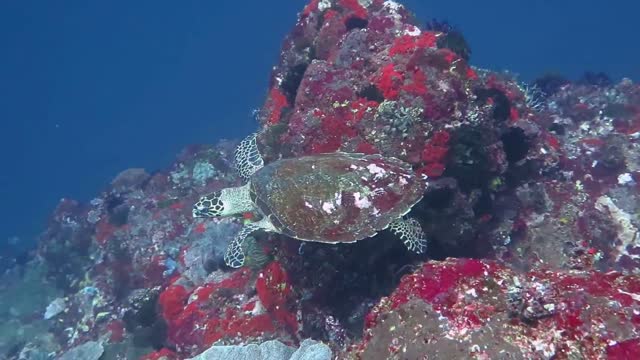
<point>515,144</point>
<point>350,279</point>
<point>292,81</point>
<point>452,38</point>
<point>356,23</point>
<point>557,129</point>
<point>501,103</point>
<point>439,199</point>
<point>549,84</point>
<point>468,159</point>
<point>144,321</point>
<point>483,204</point>
<point>455,42</point>
<point>371,93</point>
<point>117,210</point>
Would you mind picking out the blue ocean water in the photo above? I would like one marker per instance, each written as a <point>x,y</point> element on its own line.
<point>87,90</point>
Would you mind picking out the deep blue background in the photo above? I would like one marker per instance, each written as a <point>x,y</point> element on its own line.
<point>87,90</point>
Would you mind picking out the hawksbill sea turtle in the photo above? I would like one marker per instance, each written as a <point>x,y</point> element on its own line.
<point>329,198</point>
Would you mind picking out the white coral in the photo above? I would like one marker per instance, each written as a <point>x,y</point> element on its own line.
<point>55,307</point>
<point>628,234</point>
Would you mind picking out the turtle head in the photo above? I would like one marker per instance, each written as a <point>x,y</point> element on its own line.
<point>210,205</point>
<point>229,201</point>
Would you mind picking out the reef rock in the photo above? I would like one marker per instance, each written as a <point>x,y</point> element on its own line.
<point>480,309</point>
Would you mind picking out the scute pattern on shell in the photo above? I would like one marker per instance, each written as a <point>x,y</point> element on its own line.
<point>336,197</point>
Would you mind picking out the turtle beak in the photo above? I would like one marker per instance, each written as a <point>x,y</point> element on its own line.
<point>198,211</point>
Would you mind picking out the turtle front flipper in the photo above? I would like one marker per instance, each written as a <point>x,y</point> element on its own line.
<point>235,256</point>
<point>411,234</point>
<point>248,158</point>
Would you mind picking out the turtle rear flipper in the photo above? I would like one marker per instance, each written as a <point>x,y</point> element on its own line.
<point>411,234</point>
<point>248,158</point>
<point>235,256</point>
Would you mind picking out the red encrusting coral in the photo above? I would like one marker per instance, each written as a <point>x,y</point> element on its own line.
<point>331,133</point>
<point>434,154</point>
<point>310,7</point>
<point>435,283</point>
<point>354,7</point>
<point>278,101</point>
<point>233,325</point>
<point>389,82</point>
<point>193,318</point>
<point>273,286</point>
<point>366,148</point>
<point>406,44</point>
<point>162,354</point>
<point>275,292</point>
<point>200,228</point>
<point>418,86</point>
<point>471,74</point>
<point>116,328</point>
<point>628,349</point>
<point>359,109</point>
<point>104,231</point>
<point>172,300</point>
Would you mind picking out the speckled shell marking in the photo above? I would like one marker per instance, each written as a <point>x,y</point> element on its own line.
<point>336,197</point>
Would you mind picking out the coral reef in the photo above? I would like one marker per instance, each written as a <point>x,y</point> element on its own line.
<point>482,309</point>
<point>531,211</point>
